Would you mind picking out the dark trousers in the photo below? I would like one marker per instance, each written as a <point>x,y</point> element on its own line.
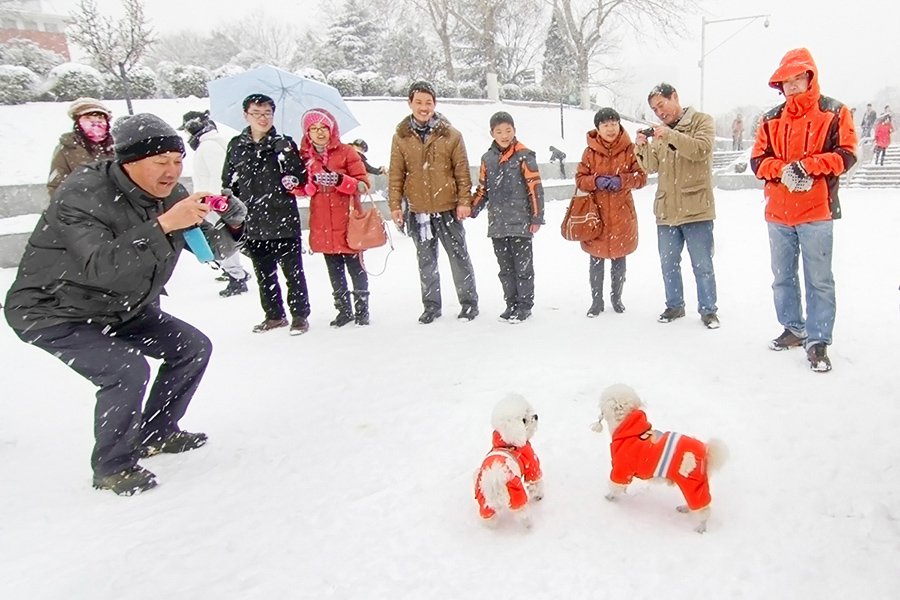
<point>879,153</point>
<point>452,236</point>
<point>112,359</point>
<point>266,255</point>
<point>516,259</point>
<point>339,265</point>
<point>617,267</point>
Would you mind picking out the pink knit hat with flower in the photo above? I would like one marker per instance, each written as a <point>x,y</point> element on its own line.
<point>318,115</point>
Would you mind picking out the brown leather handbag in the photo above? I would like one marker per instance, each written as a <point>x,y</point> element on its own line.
<point>582,221</point>
<point>366,227</point>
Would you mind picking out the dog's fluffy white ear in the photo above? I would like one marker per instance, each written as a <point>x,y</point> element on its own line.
<point>508,419</point>
<point>616,402</point>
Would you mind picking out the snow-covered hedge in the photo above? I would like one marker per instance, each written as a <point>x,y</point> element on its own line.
<point>445,88</point>
<point>470,89</point>
<point>188,80</point>
<point>347,82</point>
<point>511,91</point>
<point>17,84</point>
<point>311,73</point>
<point>27,53</point>
<point>398,85</point>
<point>142,83</point>
<point>534,92</point>
<point>72,80</point>
<point>226,71</point>
<point>373,84</point>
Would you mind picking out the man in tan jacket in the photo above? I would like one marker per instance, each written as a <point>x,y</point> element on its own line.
<point>680,150</point>
<point>430,170</point>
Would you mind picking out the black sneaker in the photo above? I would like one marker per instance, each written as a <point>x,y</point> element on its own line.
<point>126,482</point>
<point>818,358</point>
<point>428,317</point>
<point>710,321</point>
<point>174,443</point>
<point>467,313</point>
<point>785,341</point>
<point>521,314</point>
<point>506,314</point>
<point>670,314</point>
<point>235,287</point>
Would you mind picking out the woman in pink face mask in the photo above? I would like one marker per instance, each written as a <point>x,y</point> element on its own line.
<point>89,140</point>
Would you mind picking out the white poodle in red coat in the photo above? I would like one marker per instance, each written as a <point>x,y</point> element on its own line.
<point>510,474</point>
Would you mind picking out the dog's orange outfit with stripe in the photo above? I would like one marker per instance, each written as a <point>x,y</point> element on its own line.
<point>637,450</point>
<point>522,466</point>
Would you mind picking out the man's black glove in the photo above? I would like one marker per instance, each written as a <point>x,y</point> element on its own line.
<point>283,145</point>
<point>236,212</point>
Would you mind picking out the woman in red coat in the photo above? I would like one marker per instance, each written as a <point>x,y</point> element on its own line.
<point>336,175</point>
<point>883,131</point>
<point>609,170</point>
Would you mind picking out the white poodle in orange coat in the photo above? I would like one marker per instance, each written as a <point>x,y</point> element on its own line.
<point>510,474</point>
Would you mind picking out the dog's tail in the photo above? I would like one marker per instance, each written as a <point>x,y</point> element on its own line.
<point>716,454</point>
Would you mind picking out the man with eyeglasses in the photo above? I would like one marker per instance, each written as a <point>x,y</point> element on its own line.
<point>257,162</point>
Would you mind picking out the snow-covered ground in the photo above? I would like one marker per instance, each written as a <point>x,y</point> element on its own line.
<point>340,462</point>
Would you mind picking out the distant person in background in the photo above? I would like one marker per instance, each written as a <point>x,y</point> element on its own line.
<point>680,150</point>
<point>883,131</point>
<point>89,141</point>
<point>429,169</point>
<point>802,148</point>
<point>209,156</point>
<point>558,155</point>
<point>737,133</point>
<point>335,177</point>
<point>609,170</point>
<point>868,121</point>
<point>361,148</point>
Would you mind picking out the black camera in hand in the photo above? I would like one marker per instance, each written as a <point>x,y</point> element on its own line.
<point>647,132</point>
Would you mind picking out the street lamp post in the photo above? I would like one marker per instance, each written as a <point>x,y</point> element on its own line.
<point>704,53</point>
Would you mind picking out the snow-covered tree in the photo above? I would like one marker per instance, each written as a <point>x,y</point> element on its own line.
<point>559,78</point>
<point>373,84</point>
<point>72,80</point>
<point>189,80</point>
<point>26,53</point>
<point>17,84</point>
<point>142,83</point>
<point>355,33</point>
<point>114,46</point>
<point>346,81</point>
<point>405,51</point>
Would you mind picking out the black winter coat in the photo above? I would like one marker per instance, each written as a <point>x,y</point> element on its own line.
<point>253,171</point>
<point>97,253</point>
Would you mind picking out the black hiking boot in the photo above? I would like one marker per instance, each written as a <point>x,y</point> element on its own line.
<point>468,312</point>
<point>126,482</point>
<point>428,317</point>
<point>818,358</point>
<point>510,309</point>
<point>670,314</point>
<point>235,287</point>
<point>361,306</point>
<point>345,309</point>
<point>174,443</point>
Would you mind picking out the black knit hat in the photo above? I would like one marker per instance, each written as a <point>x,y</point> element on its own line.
<point>422,86</point>
<point>361,144</point>
<point>502,117</point>
<point>606,114</point>
<point>144,135</point>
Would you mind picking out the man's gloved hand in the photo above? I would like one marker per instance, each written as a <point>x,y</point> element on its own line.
<point>236,212</point>
<point>283,145</point>
<point>328,178</point>
<point>290,182</point>
<point>795,178</point>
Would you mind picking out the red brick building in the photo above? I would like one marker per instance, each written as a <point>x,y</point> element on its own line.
<point>28,19</point>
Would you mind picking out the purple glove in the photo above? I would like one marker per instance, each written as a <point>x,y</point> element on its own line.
<point>602,182</point>
<point>289,182</point>
<point>614,183</point>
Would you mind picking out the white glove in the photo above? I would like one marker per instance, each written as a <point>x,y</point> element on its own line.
<point>795,178</point>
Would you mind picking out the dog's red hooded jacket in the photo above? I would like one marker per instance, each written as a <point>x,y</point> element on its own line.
<point>523,467</point>
<point>638,450</point>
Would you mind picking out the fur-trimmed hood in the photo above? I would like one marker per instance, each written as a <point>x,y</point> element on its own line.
<point>441,127</point>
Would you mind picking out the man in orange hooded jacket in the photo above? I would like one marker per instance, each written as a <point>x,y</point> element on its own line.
<point>802,147</point>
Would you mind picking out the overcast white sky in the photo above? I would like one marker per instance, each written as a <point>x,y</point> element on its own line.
<point>855,44</point>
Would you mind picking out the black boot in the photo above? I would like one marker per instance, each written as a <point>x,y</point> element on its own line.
<point>361,303</point>
<point>596,278</point>
<point>235,286</point>
<point>345,310</point>
<point>616,295</point>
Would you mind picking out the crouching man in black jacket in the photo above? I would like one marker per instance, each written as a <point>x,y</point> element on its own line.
<point>87,291</point>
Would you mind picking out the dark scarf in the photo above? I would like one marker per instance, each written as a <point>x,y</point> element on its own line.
<point>194,141</point>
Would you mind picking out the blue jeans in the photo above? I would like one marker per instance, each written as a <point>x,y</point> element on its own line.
<point>701,247</point>
<point>814,242</point>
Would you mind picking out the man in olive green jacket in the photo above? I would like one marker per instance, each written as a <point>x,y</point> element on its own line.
<point>430,170</point>
<point>680,150</point>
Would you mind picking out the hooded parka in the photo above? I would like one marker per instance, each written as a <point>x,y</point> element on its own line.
<point>329,206</point>
<point>620,230</point>
<point>73,151</point>
<point>813,129</point>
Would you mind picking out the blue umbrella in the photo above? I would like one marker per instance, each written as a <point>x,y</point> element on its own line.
<point>293,95</point>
